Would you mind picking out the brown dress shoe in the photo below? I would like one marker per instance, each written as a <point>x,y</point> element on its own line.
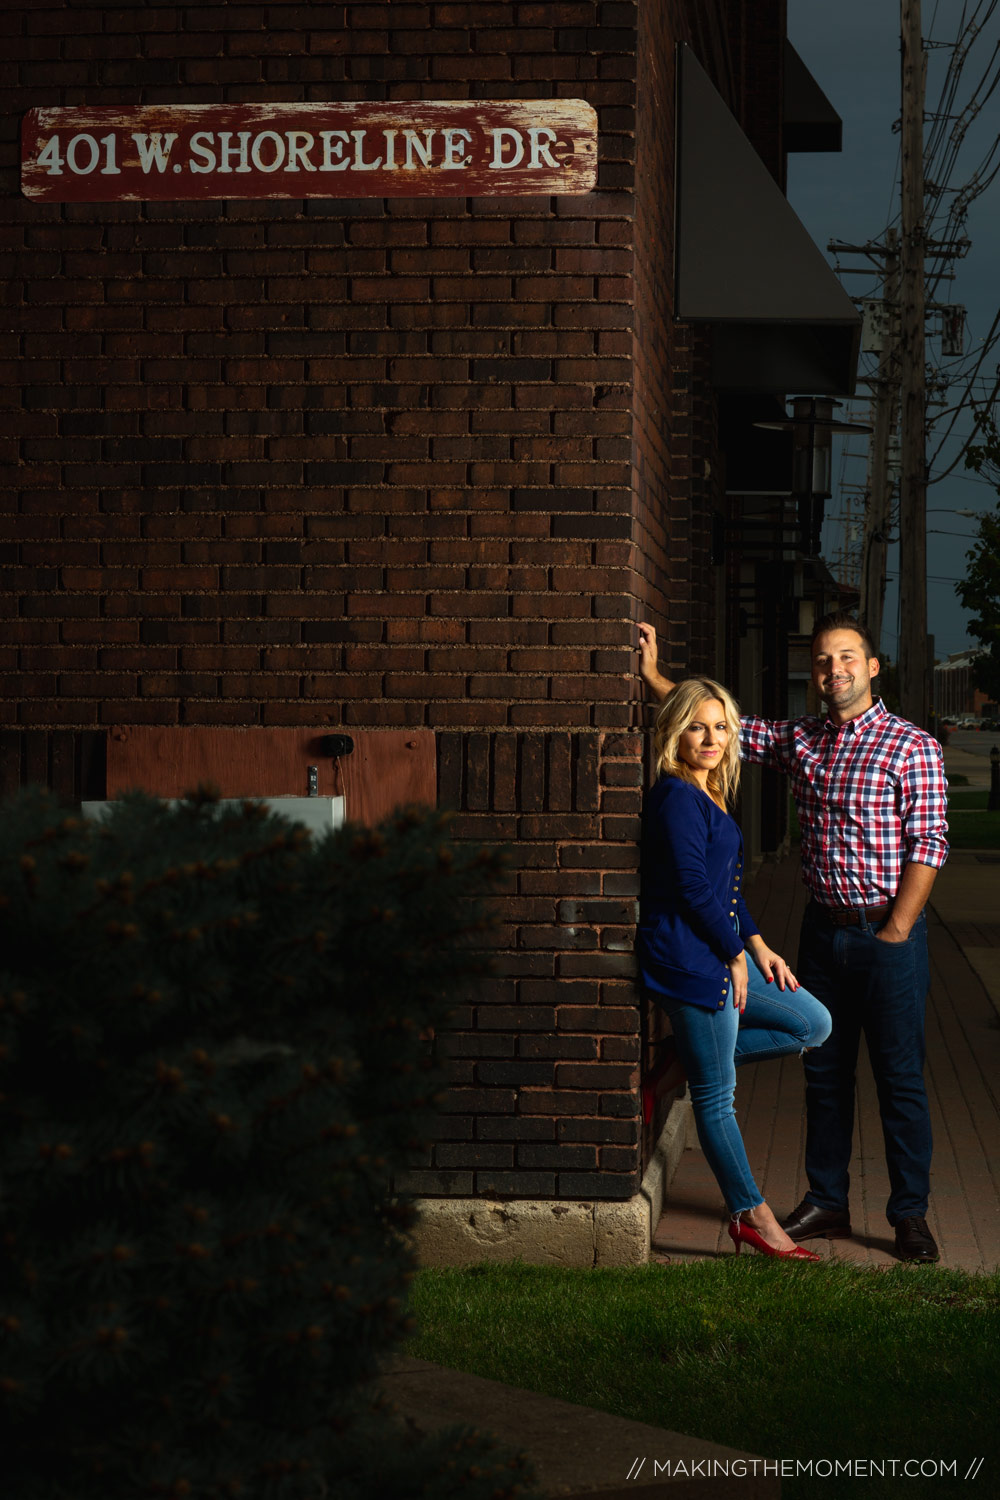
<point>914,1241</point>
<point>808,1221</point>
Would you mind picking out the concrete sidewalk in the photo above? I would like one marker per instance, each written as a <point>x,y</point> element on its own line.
<point>963,1078</point>
<point>576,1450</point>
<point>974,768</point>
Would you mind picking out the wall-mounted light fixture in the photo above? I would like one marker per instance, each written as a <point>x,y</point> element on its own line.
<point>333,745</point>
<point>812,425</point>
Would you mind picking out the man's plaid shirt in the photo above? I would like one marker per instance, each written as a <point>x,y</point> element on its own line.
<point>871,797</point>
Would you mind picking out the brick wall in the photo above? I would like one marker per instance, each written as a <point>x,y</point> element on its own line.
<point>274,463</point>
<point>676,473</point>
<point>543,1056</point>
<point>377,463</point>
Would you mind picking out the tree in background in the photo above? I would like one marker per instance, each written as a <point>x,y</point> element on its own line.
<point>979,591</point>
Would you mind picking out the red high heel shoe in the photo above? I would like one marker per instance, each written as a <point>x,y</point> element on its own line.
<point>655,1081</point>
<point>744,1234</point>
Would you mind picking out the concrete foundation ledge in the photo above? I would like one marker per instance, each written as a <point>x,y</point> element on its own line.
<point>545,1232</point>
<point>578,1451</point>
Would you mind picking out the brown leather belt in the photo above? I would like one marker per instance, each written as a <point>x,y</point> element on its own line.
<point>851,916</point>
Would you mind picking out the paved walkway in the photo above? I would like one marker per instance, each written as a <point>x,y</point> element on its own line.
<point>963,1078</point>
<point>576,1450</point>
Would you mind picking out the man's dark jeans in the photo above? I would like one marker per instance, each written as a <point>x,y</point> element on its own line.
<point>880,989</point>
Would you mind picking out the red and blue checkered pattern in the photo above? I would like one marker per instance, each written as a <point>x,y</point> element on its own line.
<point>871,798</point>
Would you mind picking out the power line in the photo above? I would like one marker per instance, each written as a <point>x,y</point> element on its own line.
<point>980,413</point>
<point>946,135</point>
<point>931,577</point>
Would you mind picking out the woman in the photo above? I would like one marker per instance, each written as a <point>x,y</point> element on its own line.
<point>693,936</point>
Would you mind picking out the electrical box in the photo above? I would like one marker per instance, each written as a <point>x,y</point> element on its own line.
<point>876,325</point>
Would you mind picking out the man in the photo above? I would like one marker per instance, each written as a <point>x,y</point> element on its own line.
<point>871,799</point>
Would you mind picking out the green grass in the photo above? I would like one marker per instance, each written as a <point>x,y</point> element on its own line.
<point>798,1361</point>
<point>967,799</point>
<point>974,830</point>
<point>970,826</point>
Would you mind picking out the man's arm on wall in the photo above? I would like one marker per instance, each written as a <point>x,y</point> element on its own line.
<point>649,664</point>
<point>758,740</point>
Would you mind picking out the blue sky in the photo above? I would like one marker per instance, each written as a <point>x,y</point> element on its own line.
<point>852,49</point>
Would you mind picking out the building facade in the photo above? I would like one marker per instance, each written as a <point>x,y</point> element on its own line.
<point>955,692</point>
<point>423,463</point>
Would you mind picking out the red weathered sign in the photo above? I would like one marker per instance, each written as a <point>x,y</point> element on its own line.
<point>414,149</point>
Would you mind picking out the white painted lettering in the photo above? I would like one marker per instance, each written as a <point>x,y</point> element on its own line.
<point>50,157</point>
<point>227,152</point>
<point>360,165</point>
<point>154,150</point>
<point>539,148</point>
<point>256,150</point>
<point>517,141</point>
<point>454,149</point>
<point>418,148</point>
<point>300,143</point>
<point>111,167</point>
<point>71,154</point>
<point>334,142</point>
<point>390,150</point>
<point>201,147</point>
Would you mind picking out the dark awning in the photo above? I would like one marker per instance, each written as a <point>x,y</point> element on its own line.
<point>745,263</point>
<point>809,120</point>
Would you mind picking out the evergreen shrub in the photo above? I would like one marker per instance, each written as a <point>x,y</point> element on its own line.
<point>210,1066</point>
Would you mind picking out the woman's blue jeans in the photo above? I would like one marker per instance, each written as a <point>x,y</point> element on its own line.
<point>713,1043</point>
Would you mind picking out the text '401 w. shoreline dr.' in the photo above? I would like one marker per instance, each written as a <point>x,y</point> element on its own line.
<point>443,148</point>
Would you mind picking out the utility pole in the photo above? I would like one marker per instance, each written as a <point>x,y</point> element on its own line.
<point>876,541</point>
<point>913,649</point>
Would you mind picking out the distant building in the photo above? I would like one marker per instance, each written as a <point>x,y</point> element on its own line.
<point>954,690</point>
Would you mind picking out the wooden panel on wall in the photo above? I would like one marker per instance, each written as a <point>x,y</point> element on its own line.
<point>70,762</point>
<point>10,761</point>
<point>386,769</point>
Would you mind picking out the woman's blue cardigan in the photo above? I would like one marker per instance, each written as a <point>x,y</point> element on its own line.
<point>690,902</point>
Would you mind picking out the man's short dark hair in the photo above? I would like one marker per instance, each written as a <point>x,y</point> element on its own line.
<point>842,619</point>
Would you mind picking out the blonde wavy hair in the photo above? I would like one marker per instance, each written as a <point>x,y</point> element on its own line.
<point>677,714</point>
